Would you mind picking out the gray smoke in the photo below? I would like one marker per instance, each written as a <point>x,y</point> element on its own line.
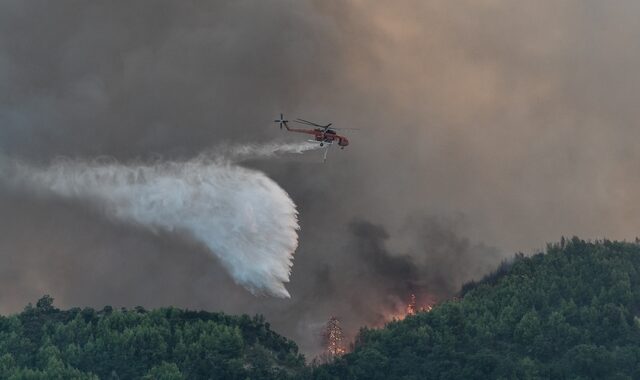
<point>375,278</point>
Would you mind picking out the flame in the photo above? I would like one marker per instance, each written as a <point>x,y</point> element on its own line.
<point>411,308</point>
<point>333,337</point>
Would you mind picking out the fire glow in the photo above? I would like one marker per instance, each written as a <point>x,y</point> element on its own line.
<point>411,308</point>
<point>334,337</point>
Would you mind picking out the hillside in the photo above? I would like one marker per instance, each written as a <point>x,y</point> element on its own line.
<point>43,342</point>
<point>570,313</point>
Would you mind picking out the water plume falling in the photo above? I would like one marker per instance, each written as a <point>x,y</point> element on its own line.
<point>243,217</point>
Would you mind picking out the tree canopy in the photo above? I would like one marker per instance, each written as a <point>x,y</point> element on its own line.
<point>44,342</point>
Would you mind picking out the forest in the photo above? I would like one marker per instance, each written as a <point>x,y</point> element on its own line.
<point>44,342</point>
<point>568,313</point>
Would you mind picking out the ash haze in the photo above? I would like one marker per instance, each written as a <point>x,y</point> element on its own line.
<point>488,127</point>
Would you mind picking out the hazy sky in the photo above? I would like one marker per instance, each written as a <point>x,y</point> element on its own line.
<point>487,127</point>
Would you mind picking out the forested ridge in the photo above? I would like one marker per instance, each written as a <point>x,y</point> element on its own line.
<point>569,313</point>
<point>44,342</point>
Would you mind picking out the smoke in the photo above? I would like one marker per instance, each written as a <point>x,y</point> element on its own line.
<point>426,258</point>
<point>242,216</point>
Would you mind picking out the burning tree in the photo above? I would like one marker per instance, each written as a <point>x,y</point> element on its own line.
<point>332,339</point>
<point>411,306</point>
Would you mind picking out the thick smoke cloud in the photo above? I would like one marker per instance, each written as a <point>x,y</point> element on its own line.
<point>483,124</point>
<point>375,277</point>
<point>437,260</point>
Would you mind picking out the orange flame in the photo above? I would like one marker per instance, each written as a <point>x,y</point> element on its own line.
<point>410,309</point>
<point>333,337</point>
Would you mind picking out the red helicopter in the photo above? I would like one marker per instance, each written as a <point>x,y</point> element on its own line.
<point>323,134</point>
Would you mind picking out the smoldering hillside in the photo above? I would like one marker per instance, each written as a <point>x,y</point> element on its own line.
<point>484,124</point>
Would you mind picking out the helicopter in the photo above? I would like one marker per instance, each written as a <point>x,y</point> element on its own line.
<point>325,135</point>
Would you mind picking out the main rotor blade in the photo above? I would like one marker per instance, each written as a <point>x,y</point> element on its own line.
<point>300,122</point>
<point>303,121</point>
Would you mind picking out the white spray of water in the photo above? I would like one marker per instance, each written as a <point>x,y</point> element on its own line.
<point>243,217</point>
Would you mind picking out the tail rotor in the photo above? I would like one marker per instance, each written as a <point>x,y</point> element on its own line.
<point>282,122</point>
